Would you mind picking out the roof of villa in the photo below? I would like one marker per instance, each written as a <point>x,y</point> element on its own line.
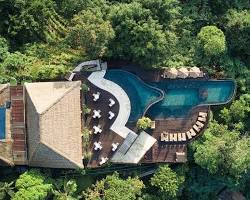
<point>54,124</point>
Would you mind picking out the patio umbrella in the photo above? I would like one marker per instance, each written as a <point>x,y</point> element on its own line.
<point>171,73</point>
<point>183,72</point>
<point>194,72</point>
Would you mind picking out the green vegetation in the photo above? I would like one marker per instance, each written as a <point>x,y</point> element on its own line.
<point>45,39</point>
<point>143,123</point>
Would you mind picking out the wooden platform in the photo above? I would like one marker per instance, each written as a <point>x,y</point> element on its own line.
<point>18,130</point>
<point>106,137</point>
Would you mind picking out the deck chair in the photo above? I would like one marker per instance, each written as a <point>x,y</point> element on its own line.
<point>195,127</point>
<point>202,119</point>
<point>173,137</point>
<point>202,114</point>
<point>189,136</point>
<point>192,132</point>
<point>181,137</point>
<point>199,124</point>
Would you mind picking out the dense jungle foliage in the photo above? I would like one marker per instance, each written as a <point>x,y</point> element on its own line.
<point>45,39</point>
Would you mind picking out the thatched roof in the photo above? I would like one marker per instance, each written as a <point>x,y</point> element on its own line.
<point>171,73</point>
<point>53,117</point>
<point>194,72</point>
<point>183,72</point>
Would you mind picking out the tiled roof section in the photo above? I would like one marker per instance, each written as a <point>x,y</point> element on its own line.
<point>18,125</point>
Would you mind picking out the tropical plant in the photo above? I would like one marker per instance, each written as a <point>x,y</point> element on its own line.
<point>6,190</point>
<point>143,123</point>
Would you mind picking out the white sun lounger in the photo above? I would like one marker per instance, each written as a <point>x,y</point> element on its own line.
<point>173,137</point>
<point>164,136</point>
<point>195,127</point>
<point>192,132</point>
<point>199,124</point>
<point>111,115</point>
<point>202,119</point>
<point>182,137</point>
<point>103,160</point>
<point>189,136</point>
<point>203,114</point>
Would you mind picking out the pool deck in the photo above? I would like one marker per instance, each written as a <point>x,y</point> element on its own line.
<point>160,152</point>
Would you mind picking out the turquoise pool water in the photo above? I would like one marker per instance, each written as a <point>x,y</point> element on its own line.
<point>180,96</point>
<point>140,94</point>
<point>2,123</point>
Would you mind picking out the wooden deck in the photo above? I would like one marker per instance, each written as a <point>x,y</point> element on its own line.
<point>106,137</point>
<point>161,152</point>
<point>166,151</point>
<point>18,130</point>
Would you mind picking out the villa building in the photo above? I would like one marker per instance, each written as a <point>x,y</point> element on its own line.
<point>42,124</point>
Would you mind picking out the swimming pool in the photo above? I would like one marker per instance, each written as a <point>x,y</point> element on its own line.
<point>182,95</point>
<point>2,123</point>
<point>170,98</point>
<point>141,95</point>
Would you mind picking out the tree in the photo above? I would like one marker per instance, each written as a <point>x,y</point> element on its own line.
<point>143,123</point>
<point>212,40</point>
<point>237,24</point>
<point>237,115</point>
<point>113,188</point>
<point>32,185</point>
<point>3,48</point>
<point>89,31</point>
<point>66,191</point>
<point>6,190</point>
<point>167,181</point>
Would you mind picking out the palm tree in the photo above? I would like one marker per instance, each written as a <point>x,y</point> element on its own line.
<point>6,190</point>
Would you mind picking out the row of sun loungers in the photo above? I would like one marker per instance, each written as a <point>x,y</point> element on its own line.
<point>96,96</point>
<point>181,137</point>
<point>97,114</point>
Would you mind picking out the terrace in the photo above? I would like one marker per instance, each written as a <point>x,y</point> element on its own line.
<point>143,98</point>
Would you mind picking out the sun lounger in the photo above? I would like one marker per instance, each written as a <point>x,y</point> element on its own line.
<point>202,114</point>
<point>192,132</point>
<point>199,124</point>
<point>195,127</point>
<point>173,137</point>
<point>111,115</point>
<point>152,125</point>
<point>96,96</point>
<point>202,119</point>
<point>114,146</point>
<point>181,137</point>
<point>164,136</point>
<point>189,136</point>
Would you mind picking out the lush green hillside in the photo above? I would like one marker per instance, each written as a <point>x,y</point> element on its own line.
<point>44,39</point>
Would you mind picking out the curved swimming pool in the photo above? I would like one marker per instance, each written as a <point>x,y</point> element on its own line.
<point>141,95</point>
<point>178,98</point>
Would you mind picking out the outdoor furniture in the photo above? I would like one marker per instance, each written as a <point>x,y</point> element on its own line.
<point>189,136</point>
<point>96,96</point>
<point>97,129</point>
<point>183,72</point>
<point>112,102</point>
<point>114,146</point>
<point>98,146</point>
<point>192,132</point>
<point>103,160</point>
<point>195,127</point>
<point>202,119</point>
<point>164,136</point>
<point>96,114</point>
<point>111,115</point>
<point>152,124</point>
<point>199,124</point>
<point>173,137</point>
<point>203,114</point>
<point>195,72</point>
<point>171,73</point>
<point>181,137</point>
